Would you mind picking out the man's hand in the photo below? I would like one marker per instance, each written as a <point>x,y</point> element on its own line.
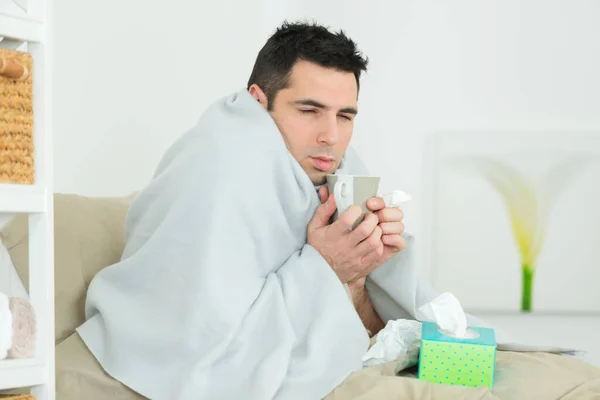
<point>392,227</point>
<point>352,254</point>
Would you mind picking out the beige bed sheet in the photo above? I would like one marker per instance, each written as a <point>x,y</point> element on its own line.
<point>527,376</point>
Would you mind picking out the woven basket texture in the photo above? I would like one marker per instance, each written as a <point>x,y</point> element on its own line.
<point>16,123</point>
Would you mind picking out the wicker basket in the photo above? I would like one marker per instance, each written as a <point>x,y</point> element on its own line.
<point>16,118</point>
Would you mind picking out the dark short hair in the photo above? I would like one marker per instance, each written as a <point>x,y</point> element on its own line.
<point>303,41</point>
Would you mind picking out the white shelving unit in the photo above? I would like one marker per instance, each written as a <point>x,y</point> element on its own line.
<point>29,22</point>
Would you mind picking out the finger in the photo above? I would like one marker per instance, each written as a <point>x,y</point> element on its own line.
<point>364,229</point>
<point>375,203</point>
<point>372,258</point>
<point>390,215</point>
<point>390,228</point>
<point>395,241</point>
<point>370,243</point>
<point>323,214</point>
<point>346,220</point>
<point>323,194</point>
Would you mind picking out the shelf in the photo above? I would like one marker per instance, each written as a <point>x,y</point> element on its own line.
<point>22,198</point>
<point>21,27</point>
<point>21,373</point>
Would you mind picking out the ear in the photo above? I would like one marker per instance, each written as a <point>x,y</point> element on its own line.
<point>259,95</point>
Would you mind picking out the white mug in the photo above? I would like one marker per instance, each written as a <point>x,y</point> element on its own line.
<point>352,189</point>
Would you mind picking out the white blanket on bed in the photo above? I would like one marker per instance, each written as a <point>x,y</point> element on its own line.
<point>217,295</point>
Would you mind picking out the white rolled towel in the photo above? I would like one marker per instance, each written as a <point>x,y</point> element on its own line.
<point>24,328</point>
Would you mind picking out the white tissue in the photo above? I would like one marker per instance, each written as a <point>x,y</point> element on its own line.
<point>396,198</point>
<point>399,338</point>
<point>6,328</point>
<point>446,311</point>
<point>402,337</point>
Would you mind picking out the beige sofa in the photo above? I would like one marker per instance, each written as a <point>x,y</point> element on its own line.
<point>89,235</point>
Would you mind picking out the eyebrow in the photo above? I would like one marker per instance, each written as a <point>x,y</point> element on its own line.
<point>314,103</point>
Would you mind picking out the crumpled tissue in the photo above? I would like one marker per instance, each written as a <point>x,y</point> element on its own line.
<point>401,337</point>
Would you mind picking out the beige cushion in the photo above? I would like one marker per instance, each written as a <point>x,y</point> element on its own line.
<point>89,235</point>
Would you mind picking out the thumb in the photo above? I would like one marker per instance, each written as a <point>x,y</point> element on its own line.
<point>323,194</point>
<point>323,214</point>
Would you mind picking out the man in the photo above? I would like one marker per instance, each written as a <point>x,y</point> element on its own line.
<point>308,79</point>
<point>231,283</point>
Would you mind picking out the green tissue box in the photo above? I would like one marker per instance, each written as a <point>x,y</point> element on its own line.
<point>457,361</point>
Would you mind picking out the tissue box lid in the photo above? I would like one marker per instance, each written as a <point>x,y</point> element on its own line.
<point>487,336</point>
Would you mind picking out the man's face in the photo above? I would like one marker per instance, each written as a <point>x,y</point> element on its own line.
<point>315,116</point>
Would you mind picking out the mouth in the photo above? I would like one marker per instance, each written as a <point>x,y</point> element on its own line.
<point>324,164</point>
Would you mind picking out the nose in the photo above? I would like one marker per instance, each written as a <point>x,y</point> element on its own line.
<point>328,131</point>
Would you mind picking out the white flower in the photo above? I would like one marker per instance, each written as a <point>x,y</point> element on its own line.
<point>529,201</point>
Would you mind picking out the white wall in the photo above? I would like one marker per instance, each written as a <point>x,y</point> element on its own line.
<point>130,77</point>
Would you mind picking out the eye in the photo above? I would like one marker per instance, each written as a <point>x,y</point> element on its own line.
<point>308,110</point>
<point>345,116</point>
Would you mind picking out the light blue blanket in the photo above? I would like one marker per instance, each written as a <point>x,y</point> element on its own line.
<point>217,295</point>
